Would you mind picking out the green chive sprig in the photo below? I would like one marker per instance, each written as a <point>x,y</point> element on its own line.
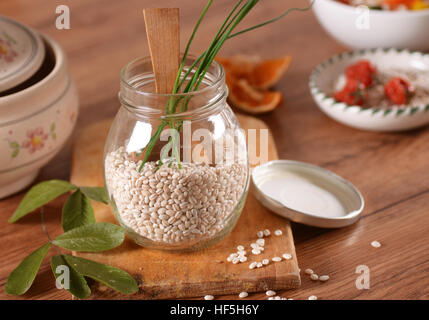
<point>200,67</point>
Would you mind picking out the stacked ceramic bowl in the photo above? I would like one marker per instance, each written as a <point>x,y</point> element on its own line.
<point>360,28</point>
<point>38,104</point>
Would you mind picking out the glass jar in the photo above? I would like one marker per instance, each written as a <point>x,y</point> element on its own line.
<point>176,181</point>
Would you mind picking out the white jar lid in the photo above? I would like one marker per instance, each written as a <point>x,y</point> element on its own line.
<point>21,53</point>
<point>307,194</point>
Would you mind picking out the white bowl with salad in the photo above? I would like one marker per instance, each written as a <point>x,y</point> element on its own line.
<point>363,24</point>
<point>374,89</point>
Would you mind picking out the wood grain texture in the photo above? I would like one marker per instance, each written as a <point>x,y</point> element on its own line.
<point>163,36</point>
<point>391,170</point>
<point>166,275</point>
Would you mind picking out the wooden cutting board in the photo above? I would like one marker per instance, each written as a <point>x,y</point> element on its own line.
<point>165,275</point>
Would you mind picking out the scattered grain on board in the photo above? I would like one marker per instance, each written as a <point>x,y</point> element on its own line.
<point>276,259</point>
<point>277,298</point>
<point>324,278</point>
<point>314,277</point>
<point>309,271</point>
<point>278,232</point>
<point>313,297</point>
<point>243,294</point>
<point>270,293</point>
<point>208,297</point>
<point>376,244</point>
<point>237,257</point>
<point>243,259</point>
<point>287,256</point>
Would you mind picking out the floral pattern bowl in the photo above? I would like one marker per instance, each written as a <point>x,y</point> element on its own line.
<point>36,119</point>
<point>22,52</point>
<point>395,118</point>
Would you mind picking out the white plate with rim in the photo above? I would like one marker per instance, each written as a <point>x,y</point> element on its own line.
<point>307,194</point>
<point>396,118</point>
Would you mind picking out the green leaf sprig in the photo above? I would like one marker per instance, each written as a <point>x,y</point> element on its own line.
<point>199,69</point>
<point>81,233</point>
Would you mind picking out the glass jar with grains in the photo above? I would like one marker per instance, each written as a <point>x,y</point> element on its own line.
<point>175,165</point>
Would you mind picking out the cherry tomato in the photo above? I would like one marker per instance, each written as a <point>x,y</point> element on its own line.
<point>397,90</point>
<point>353,93</point>
<point>362,71</point>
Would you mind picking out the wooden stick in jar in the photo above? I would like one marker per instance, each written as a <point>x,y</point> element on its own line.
<point>163,36</point>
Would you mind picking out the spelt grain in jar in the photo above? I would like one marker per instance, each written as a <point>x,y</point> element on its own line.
<point>175,181</point>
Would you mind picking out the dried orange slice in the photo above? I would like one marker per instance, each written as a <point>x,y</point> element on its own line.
<point>249,77</point>
<point>251,100</point>
<point>239,66</point>
<point>267,73</point>
<point>261,74</point>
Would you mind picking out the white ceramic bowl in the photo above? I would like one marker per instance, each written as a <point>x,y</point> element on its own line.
<point>325,75</point>
<point>387,29</point>
<point>35,123</point>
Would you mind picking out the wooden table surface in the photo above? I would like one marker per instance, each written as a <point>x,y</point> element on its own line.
<point>391,170</point>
